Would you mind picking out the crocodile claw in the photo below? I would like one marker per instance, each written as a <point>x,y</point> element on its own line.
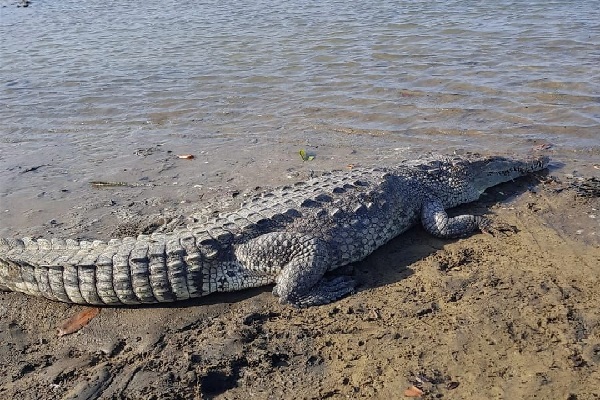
<point>326,291</point>
<point>496,228</point>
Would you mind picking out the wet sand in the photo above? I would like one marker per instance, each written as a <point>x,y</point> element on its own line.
<point>476,318</point>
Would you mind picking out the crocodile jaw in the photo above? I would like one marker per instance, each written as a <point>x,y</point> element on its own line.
<point>490,171</point>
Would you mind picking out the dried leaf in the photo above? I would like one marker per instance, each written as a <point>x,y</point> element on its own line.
<point>78,321</point>
<point>452,385</point>
<point>413,391</point>
<point>543,146</point>
<point>108,184</point>
<point>186,156</point>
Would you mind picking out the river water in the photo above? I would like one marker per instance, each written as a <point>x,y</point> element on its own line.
<point>93,90</point>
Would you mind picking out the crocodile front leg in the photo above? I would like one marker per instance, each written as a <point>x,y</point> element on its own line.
<point>436,222</point>
<point>300,263</point>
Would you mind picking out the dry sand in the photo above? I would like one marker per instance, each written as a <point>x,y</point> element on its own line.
<point>483,317</point>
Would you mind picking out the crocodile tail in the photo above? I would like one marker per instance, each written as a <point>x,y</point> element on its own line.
<point>147,269</point>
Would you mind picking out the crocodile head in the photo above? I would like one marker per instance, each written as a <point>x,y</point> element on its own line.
<point>486,172</point>
<point>464,179</point>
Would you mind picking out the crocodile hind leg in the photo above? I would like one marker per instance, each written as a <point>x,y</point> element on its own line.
<point>300,263</point>
<point>301,282</point>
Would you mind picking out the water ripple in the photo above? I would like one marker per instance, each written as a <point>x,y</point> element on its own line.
<point>412,68</point>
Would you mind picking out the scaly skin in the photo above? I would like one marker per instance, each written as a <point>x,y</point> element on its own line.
<point>290,236</point>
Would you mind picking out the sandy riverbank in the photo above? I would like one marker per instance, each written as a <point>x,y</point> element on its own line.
<point>477,318</point>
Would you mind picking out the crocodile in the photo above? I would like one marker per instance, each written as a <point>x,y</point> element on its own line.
<point>290,236</point>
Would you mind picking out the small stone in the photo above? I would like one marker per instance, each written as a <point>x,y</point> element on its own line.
<point>191,376</point>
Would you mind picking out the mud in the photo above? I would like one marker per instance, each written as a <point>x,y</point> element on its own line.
<point>512,317</point>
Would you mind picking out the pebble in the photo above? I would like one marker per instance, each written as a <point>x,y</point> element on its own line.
<point>452,385</point>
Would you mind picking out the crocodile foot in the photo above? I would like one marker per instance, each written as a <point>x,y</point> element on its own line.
<point>324,292</point>
<point>493,228</point>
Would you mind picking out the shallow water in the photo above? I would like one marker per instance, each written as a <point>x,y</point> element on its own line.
<point>85,84</point>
